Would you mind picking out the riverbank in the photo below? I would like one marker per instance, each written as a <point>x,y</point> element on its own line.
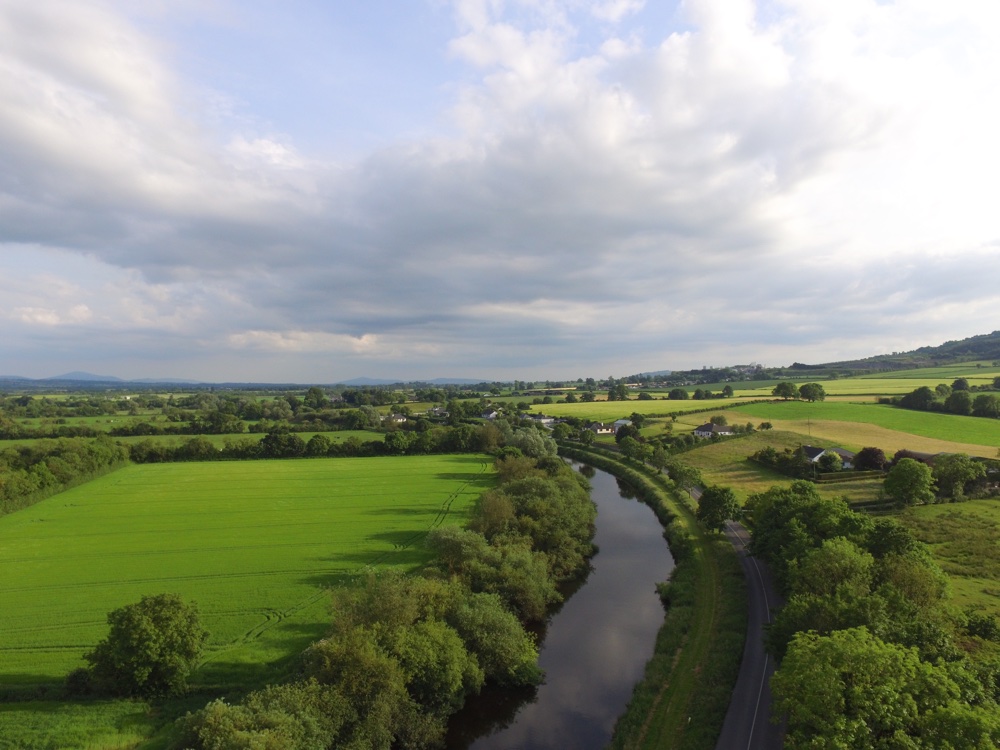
<point>682,699</point>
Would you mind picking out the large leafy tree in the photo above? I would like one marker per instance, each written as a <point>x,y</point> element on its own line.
<point>851,690</point>
<point>785,390</point>
<point>910,482</point>
<point>870,459</point>
<point>812,392</point>
<point>151,648</point>
<point>716,505</point>
<point>959,402</point>
<point>986,405</point>
<point>954,471</point>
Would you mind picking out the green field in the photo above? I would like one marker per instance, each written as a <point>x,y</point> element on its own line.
<point>724,463</point>
<point>965,540</point>
<point>253,543</point>
<point>609,411</point>
<point>801,416</point>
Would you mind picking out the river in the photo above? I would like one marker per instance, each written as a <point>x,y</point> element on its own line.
<point>595,647</point>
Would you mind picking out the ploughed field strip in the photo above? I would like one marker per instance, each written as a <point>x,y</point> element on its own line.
<point>253,543</point>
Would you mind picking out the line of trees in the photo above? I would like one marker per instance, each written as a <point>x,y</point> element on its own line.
<point>463,438</point>
<point>958,398</point>
<point>32,472</point>
<point>404,652</point>
<point>870,654</point>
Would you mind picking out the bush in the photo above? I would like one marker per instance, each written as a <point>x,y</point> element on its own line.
<point>152,647</point>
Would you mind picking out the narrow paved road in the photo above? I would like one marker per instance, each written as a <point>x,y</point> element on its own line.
<point>747,725</point>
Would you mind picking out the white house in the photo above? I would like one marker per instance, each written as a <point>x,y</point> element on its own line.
<point>710,429</point>
<point>813,455</point>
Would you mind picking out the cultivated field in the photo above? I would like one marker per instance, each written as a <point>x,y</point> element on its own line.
<point>253,543</point>
<point>890,428</point>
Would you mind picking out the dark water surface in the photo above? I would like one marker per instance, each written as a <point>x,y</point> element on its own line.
<point>595,647</point>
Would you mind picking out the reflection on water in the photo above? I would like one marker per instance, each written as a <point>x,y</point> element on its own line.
<point>595,647</point>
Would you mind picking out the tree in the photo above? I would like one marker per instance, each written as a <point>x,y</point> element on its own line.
<point>315,398</point>
<point>727,392</point>
<point>151,648</point>
<point>716,505</point>
<point>910,482</point>
<point>986,405</point>
<point>922,398</point>
<point>318,445</point>
<point>718,419</point>
<point>870,459</point>
<point>785,390</point>
<point>830,462</point>
<point>954,471</point>
<point>637,419</point>
<point>851,690</point>
<point>683,474</point>
<point>959,402</point>
<point>626,430</point>
<point>634,450</point>
<point>960,384</point>
<point>812,392</point>
<point>659,458</point>
<point>678,394</point>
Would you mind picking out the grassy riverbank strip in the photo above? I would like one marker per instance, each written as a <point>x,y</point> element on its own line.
<point>682,699</point>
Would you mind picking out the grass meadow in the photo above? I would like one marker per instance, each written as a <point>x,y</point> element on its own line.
<point>965,540</point>
<point>253,543</point>
<point>724,463</point>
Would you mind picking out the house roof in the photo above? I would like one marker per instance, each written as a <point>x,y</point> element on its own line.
<point>715,429</point>
<point>811,452</point>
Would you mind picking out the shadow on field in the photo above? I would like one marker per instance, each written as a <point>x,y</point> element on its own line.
<point>24,687</point>
<point>478,480</point>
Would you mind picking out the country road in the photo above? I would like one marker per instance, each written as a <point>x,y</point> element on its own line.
<point>747,725</point>
<point>748,721</point>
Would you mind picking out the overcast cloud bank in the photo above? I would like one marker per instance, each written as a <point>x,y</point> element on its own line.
<point>601,191</point>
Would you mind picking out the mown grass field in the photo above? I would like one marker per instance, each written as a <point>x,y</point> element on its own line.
<point>253,543</point>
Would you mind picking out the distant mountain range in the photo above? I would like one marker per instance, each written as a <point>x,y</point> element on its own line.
<point>982,347</point>
<point>79,377</point>
<point>374,382</point>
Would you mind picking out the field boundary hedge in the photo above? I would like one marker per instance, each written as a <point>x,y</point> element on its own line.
<point>682,700</point>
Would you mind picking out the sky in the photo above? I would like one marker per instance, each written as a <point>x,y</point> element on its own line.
<point>315,191</point>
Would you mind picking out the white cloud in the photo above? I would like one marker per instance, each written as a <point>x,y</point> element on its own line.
<point>773,173</point>
<point>615,10</point>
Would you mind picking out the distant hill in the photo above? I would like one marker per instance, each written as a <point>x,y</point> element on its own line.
<point>373,382</point>
<point>86,376</point>
<point>363,382</point>
<point>983,347</point>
